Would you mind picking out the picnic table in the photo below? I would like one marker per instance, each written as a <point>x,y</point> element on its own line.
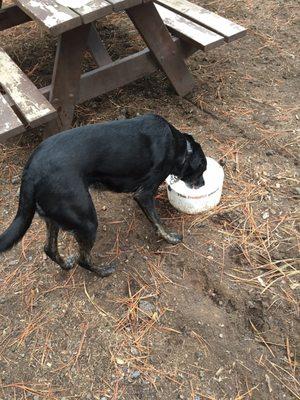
<point>171,29</point>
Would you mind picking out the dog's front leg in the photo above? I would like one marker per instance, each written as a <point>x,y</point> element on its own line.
<point>146,201</point>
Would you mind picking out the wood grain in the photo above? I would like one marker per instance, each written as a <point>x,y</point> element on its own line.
<point>27,98</point>
<point>53,17</point>
<point>208,19</point>
<point>180,26</point>
<point>10,125</point>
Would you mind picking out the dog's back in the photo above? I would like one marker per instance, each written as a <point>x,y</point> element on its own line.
<point>125,142</point>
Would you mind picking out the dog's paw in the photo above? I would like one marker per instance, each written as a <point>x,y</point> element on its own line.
<point>173,238</point>
<point>48,252</point>
<point>69,263</point>
<point>106,270</point>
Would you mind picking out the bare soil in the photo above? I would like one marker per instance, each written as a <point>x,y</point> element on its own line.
<point>216,317</point>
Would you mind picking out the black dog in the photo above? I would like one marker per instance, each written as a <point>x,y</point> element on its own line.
<point>133,155</point>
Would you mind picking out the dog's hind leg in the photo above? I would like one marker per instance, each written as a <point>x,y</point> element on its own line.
<point>145,200</point>
<point>76,214</point>
<point>51,248</point>
<point>85,238</point>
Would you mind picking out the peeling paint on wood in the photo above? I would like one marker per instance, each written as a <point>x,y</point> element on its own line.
<point>28,99</point>
<point>205,38</point>
<point>93,10</point>
<point>119,5</point>
<point>51,15</point>
<point>230,30</point>
<point>10,125</point>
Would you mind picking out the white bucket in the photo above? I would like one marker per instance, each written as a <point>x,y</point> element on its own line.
<point>194,201</point>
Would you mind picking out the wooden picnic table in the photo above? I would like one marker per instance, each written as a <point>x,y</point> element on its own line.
<point>73,22</point>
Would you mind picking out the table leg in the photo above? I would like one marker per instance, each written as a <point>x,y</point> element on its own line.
<point>98,48</point>
<point>152,29</point>
<point>66,76</point>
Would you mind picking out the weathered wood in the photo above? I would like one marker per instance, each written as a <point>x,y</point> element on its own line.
<point>66,74</point>
<point>93,10</point>
<point>121,72</point>
<point>54,17</point>
<point>12,16</point>
<point>119,5</point>
<point>10,125</point>
<point>181,26</point>
<point>116,74</point>
<point>148,22</point>
<point>98,48</point>
<point>27,98</point>
<point>208,19</point>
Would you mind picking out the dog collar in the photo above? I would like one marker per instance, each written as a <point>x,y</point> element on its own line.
<point>189,151</point>
<point>189,147</point>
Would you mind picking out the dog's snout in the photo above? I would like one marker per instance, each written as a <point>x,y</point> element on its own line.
<point>201,182</point>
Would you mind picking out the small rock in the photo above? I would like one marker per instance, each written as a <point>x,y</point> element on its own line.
<point>265,215</point>
<point>221,335</point>
<point>146,306</point>
<point>270,152</point>
<point>135,374</point>
<point>103,398</point>
<point>120,361</point>
<point>297,191</point>
<point>104,208</point>
<point>198,355</point>
<point>134,351</point>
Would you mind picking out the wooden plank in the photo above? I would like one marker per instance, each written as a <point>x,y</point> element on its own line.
<point>66,75</point>
<point>121,72</point>
<point>117,74</point>
<point>12,16</point>
<point>10,125</point>
<point>181,26</point>
<point>119,5</point>
<point>98,48</point>
<point>230,30</point>
<point>93,10</point>
<point>31,103</point>
<point>157,37</point>
<point>53,17</point>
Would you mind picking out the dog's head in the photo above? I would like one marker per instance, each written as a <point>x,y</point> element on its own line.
<point>194,163</point>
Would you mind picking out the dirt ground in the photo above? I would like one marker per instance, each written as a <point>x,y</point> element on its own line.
<point>216,317</point>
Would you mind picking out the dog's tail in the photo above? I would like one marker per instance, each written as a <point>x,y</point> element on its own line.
<point>23,218</point>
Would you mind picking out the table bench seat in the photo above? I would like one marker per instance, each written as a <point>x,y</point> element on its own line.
<point>213,22</point>
<point>189,30</point>
<point>10,124</point>
<point>32,106</point>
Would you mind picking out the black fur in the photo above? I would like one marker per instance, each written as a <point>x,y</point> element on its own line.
<point>123,156</point>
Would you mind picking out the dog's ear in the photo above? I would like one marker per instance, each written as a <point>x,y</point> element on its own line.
<point>196,158</point>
